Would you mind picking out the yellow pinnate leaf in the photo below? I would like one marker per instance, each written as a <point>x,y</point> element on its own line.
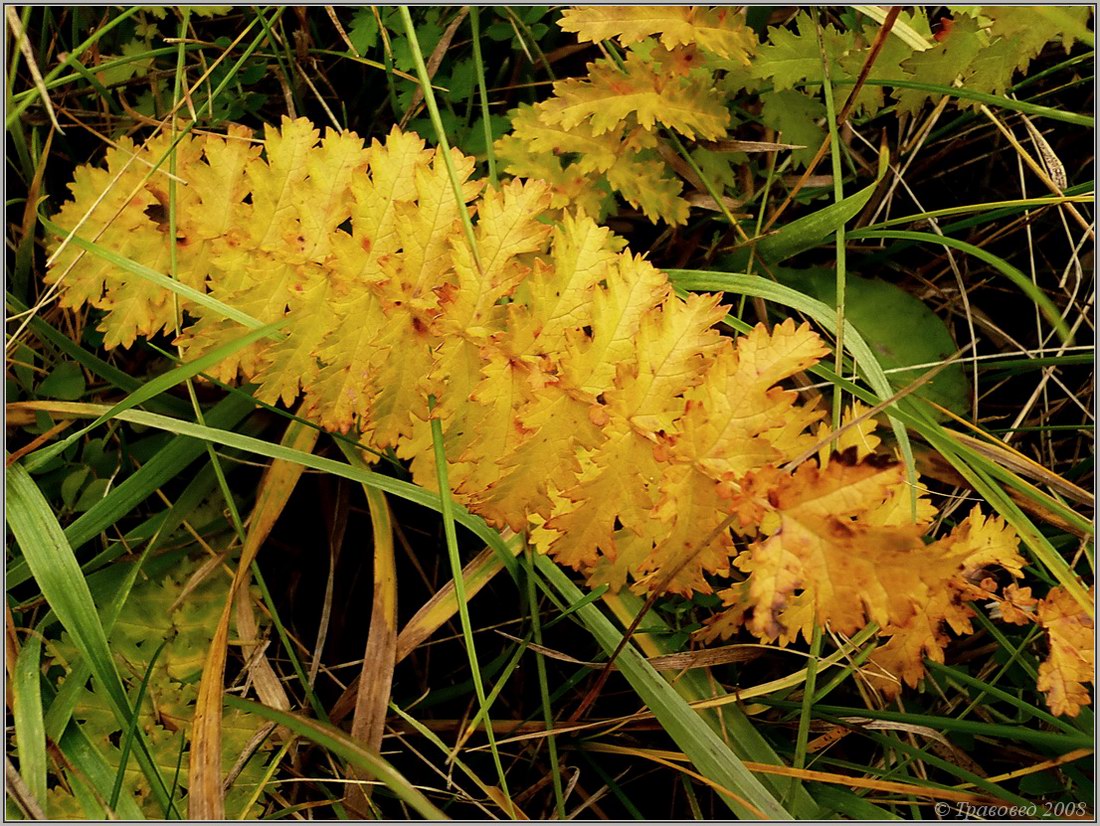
<point>673,342</point>
<point>853,572</point>
<point>634,287</point>
<point>123,209</point>
<point>507,229</point>
<point>273,220</point>
<point>983,542</point>
<point>559,295</point>
<point>615,485</point>
<point>897,509</point>
<point>860,437</point>
<point>718,30</point>
<point>738,419</point>
<point>537,131</point>
<point>293,360</point>
<point>323,201</point>
<point>220,183</point>
<point>555,428</point>
<point>688,512</point>
<point>1071,663</point>
<point>609,96</point>
<point>646,184</point>
<point>403,383</point>
<point>342,392</point>
<point>426,227</point>
<point>491,422</point>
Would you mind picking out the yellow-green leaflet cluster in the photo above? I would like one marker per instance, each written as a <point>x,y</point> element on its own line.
<point>682,68</point>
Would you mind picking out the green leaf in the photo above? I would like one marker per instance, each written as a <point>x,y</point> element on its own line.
<point>65,382</point>
<point>794,115</point>
<point>363,32</point>
<point>950,60</point>
<point>72,484</point>
<point>789,58</point>
<point>900,329</point>
<point>30,731</point>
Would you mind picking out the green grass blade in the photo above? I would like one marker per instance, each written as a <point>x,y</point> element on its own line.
<point>446,508</point>
<point>968,94</point>
<point>339,743</point>
<point>120,502</point>
<point>807,232</point>
<point>387,484</point>
<point>62,583</point>
<point>711,756</point>
<point>728,720</point>
<point>154,387</point>
<point>161,280</point>
<point>1014,275</point>
<point>30,729</point>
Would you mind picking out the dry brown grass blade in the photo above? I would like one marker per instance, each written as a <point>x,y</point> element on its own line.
<point>205,792</point>
<point>28,54</point>
<point>379,658</point>
<point>435,612</point>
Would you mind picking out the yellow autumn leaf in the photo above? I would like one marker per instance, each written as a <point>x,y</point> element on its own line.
<point>719,30</point>
<point>1071,662</point>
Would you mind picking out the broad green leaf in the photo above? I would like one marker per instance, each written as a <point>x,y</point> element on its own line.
<point>65,382</point>
<point>900,329</point>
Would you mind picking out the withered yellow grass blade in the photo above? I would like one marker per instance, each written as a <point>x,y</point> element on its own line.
<point>205,800</point>
<point>376,679</point>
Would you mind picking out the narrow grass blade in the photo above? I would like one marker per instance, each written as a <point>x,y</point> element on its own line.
<point>121,501</point>
<point>55,569</point>
<point>154,387</point>
<point>807,232</point>
<point>339,743</point>
<point>963,93</point>
<point>388,484</point>
<point>447,510</point>
<point>728,720</point>
<point>30,730</point>
<point>1024,283</point>
<point>161,280</point>
<point>710,755</point>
